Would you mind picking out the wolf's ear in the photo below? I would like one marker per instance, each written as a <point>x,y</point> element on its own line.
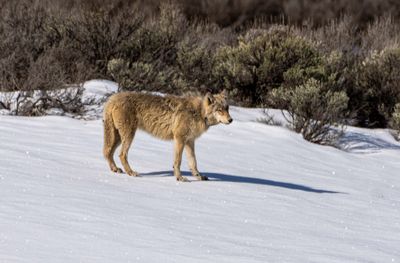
<point>224,94</point>
<point>208,98</point>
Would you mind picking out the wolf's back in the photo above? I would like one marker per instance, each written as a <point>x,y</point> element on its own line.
<point>152,113</point>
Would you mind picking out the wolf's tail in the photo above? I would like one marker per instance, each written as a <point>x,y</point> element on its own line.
<point>111,135</point>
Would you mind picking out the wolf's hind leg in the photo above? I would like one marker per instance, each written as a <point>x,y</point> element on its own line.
<point>111,142</point>
<point>127,133</point>
<point>191,155</point>
<point>178,160</point>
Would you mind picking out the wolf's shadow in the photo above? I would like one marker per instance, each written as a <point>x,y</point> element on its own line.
<point>249,180</point>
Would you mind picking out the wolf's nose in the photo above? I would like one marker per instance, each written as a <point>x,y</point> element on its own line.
<point>230,120</point>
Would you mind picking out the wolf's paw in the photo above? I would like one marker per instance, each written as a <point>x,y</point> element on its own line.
<point>182,179</point>
<point>117,170</point>
<point>133,173</point>
<point>201,177</point>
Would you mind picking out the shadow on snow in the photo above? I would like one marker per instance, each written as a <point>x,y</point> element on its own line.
<point>355,141</point>
<point>249,180</point>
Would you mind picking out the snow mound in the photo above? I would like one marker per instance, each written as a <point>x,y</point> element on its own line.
<point>99,88</point>
<point>272,197</point>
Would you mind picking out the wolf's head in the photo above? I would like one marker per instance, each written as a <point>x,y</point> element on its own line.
<point>216,108</point>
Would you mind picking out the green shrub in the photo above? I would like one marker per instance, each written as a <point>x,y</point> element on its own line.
<point>195,64</point>
<point>378,82</point>
<point>157,40</point>
<point>139,76</point>
<point>265,60</point>
<point>136,76</point>
<point>395,122</point>
<point>312,109</point>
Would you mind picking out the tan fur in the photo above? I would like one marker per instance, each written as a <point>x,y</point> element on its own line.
<point>182,119</point>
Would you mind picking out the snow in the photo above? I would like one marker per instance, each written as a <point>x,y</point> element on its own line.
<point>99,87</point>
<point>272,197</point>
<point>94,94</point>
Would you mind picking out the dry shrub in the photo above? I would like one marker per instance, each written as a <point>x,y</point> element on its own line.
<point>27,46</point>
<point>381,34</point>
<point>99,36</point>
<point>42,102</point>
<point>169,54</point>
<point>305,13</point>
<point>337,35</point>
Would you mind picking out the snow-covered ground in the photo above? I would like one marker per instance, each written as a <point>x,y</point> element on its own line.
<point>272,197</point>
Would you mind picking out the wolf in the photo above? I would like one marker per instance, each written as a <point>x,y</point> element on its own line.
<point>182,119</point>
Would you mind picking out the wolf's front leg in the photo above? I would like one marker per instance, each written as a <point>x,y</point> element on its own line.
<point>178,159</point>
<point>191,155</point>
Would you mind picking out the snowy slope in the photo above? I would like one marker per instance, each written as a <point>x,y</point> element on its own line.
<point>272,196</point>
